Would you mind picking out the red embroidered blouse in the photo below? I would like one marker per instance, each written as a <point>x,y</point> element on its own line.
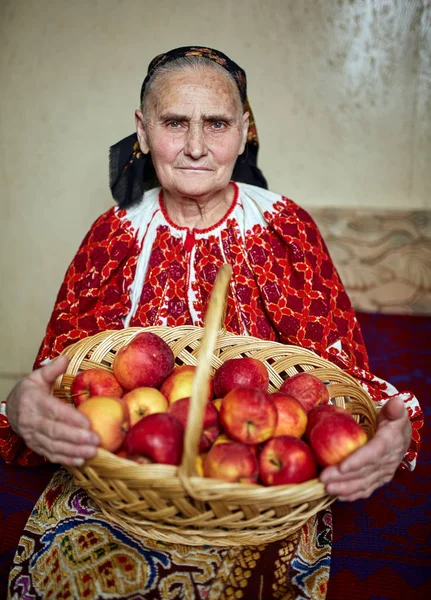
<point>138,268</point>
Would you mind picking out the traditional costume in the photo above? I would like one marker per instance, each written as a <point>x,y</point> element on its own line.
<point>137,267</point>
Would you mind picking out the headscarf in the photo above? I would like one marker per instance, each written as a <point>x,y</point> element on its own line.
<point>131,172</point>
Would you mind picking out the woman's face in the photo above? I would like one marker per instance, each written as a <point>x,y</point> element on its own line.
<point>194,131</point>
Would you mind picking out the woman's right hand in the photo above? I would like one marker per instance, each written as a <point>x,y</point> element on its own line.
<point>49,426</point>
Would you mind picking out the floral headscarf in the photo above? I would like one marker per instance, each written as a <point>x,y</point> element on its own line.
<point>132,172</point>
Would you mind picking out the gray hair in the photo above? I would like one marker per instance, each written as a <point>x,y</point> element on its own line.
<point>195,64</point>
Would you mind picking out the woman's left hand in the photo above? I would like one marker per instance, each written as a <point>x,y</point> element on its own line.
<point>374,464</point>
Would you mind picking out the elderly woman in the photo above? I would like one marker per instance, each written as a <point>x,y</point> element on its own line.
<point>190,199</point>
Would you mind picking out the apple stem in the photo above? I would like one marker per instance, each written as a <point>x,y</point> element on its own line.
<point>276,463</point>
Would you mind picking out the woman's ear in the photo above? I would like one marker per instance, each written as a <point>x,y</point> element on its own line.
<point>141,132</point>
<point>245,124</point>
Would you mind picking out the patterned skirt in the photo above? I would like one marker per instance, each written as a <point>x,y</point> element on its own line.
<point>69,551</point>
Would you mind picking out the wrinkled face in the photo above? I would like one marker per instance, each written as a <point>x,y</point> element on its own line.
<point>194,131</point>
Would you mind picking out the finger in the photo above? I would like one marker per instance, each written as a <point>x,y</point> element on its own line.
<point>56,410</point>
<point>61,459</point>
<point>329,474</point>
<point>335,475</point>
<point>393,409</point>
<point>46,375</point>
<point>40,408</point>
<point>53,449</point>
<point>59,431</point>
<point>361,488</point>
<point>353,497</point>
<point>358,488</point>
<point>370,473</point>
<point>387,443</point>
<point>361,495</point>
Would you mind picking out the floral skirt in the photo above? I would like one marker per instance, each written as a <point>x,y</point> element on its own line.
<point>69,551</point>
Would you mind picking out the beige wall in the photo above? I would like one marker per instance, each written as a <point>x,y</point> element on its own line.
<point>341,92</point>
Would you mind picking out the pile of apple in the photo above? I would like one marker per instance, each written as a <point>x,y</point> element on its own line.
<point>140,412</point>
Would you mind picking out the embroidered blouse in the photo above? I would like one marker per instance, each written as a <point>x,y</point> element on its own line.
<point>136,267</point>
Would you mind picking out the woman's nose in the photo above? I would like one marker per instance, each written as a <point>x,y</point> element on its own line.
<point>196,145</point>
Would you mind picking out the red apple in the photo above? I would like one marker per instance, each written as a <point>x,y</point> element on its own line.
<point>336,436</point>
<point>286,459</point>
<point>144,401</point>
<point>292,418</point>
<point>234,462</point>
<point>199,462</point>
<point>217,403</point>
<point>146,361</point>
<point>109,418</point>
<point>211,424</point>
<point>240,373</point>
<point>307,389</point>
<point>319,412</point>
<point>94,382</point>
<point>248,415</point>
<point>223,438</point>
<point>180,382</point>
<point>158,437</point>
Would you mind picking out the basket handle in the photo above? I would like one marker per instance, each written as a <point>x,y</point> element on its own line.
<point>213,319</point>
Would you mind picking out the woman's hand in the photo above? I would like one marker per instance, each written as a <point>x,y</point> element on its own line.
<point>374,464</point>
<point>47,425</point>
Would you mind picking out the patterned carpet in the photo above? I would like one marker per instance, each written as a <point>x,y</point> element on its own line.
<point>381,545</point>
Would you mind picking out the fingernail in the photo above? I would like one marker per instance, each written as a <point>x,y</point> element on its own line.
<point>326,477</point>
<point>78,462</point>
<point>94,439</point>
<point>90,452</point>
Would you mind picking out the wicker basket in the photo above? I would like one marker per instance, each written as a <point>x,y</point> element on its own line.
<point>173,504</point>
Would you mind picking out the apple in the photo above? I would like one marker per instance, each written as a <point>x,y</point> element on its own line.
<point>217,403</point>
<point>308,389</point>
<point>158,437</point>
<point>143,401</point>
<point>141,460</point>
<point>248,415</point>
<point>211,424</point>
<point>199,462</point>
<point>292,418</point>
<point>319,412</point>
<point>240,373</point>
<point>223,438</point>
<point>285,460</point>
<point>336,436</point>
<point>121,453</point>
<point>233,462</point>
<point>180,382</point>
<point>94,382</point>
<point>146,361</point>
<point>109,418</point>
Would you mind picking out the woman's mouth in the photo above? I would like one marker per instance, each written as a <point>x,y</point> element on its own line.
<point>194,169</point>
